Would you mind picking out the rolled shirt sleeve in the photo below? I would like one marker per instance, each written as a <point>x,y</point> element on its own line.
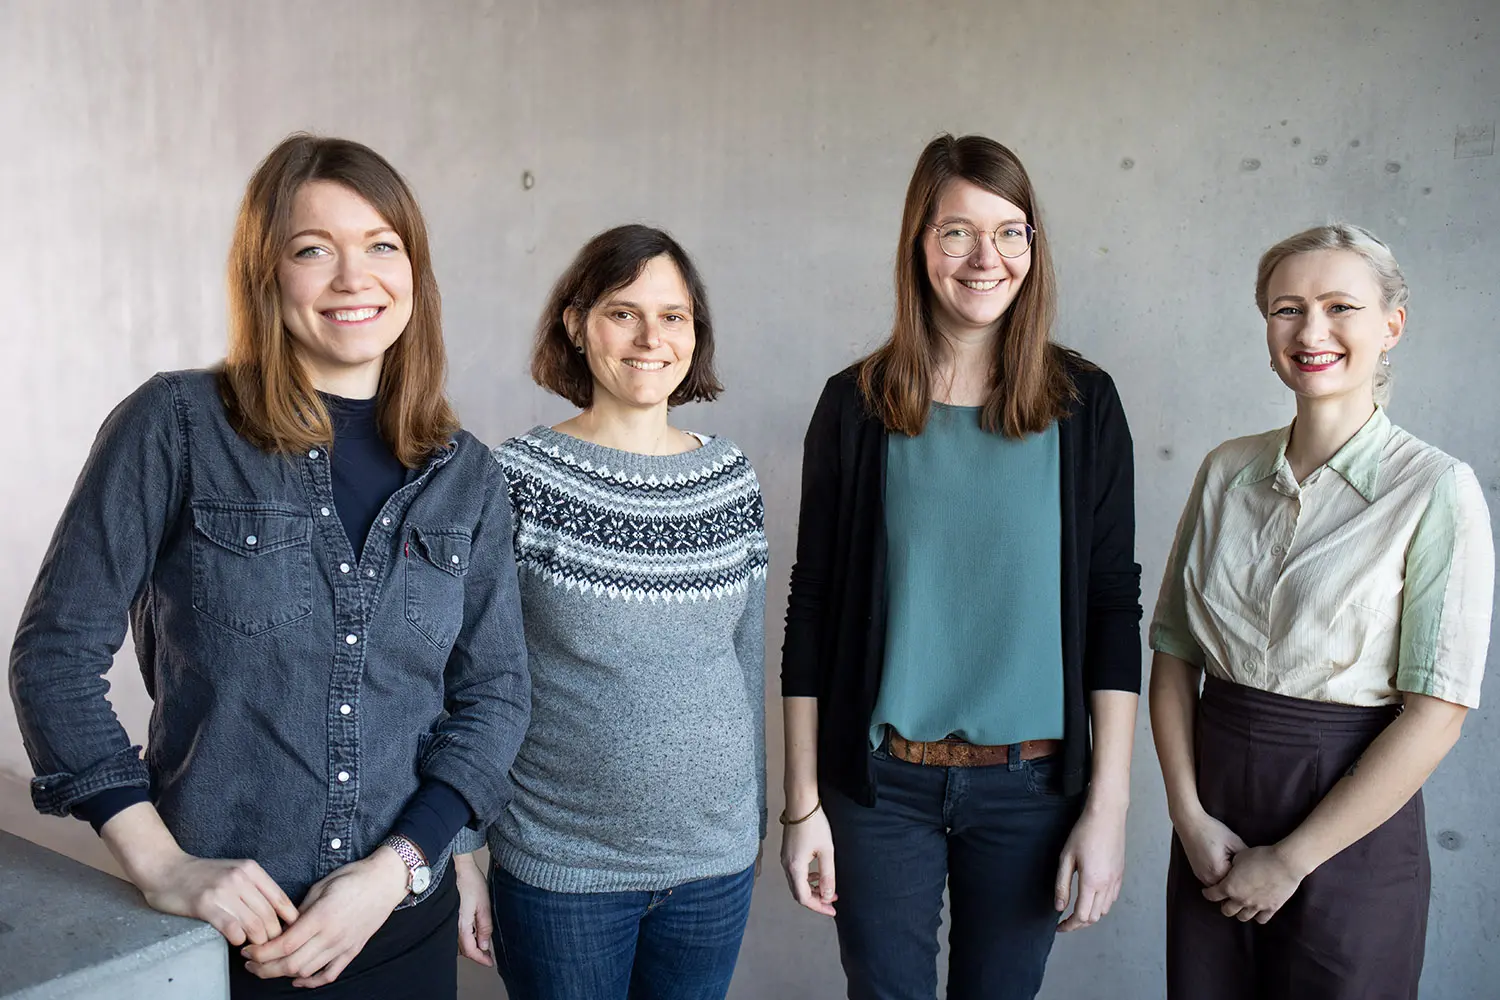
<point>1170,632</point>
<point>1447,593</point>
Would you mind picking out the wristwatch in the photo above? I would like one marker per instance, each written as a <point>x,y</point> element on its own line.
<point>418,875</point>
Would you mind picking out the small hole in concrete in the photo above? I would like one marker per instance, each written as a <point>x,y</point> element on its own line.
<point>1296,140</point>
<point>1393,167</point>
<point>1165,453</point>
<point>1320,159</point>
<point>1450,840</point>
<point>1127,163</point>
<point>528,181</point>
<point>1249,163</point>
<point>1353,143</point>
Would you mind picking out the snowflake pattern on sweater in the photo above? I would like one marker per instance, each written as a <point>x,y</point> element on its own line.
<point>693,532</point>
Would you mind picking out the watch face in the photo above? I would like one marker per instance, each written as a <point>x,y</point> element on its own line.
<point>421,878</point>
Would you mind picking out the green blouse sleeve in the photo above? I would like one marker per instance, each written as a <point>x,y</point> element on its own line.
<point>1170,632</point>
<point>1447,593</point>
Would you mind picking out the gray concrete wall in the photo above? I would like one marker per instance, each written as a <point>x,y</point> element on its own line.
<point>1171,142</point>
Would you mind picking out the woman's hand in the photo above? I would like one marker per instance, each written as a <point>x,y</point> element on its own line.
<point>1095,851</point>
<point>802,844</point>
<point>236,897</point>
<point>475,923</point>
<point>339,915</point>
<point>1259,883</point>
<point>1210,846</point>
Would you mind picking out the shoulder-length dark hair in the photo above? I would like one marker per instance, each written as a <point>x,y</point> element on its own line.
<point>606,264</point>
<point>1030,386</point>
<point>269,395</point>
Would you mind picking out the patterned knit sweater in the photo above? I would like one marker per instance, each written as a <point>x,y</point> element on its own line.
<point>643,590</point>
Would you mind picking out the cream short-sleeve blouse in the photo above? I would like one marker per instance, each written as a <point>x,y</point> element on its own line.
<point>1372,577</point>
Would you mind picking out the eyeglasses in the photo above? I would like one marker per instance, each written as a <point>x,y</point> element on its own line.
<point>956,239</point>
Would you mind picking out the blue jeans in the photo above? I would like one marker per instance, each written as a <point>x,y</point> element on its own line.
<point>673,944</point>
<point>993,835</point>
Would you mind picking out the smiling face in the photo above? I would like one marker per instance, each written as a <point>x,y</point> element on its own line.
<point>1327,324</point>
<point>346,288</point>
<point>638,339</point>
<point>971,294</point>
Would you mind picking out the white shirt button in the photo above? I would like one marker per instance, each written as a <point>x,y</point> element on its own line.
<point>1278,551</point>
<point>385,521</point>
<point>313,453</point>
<point>343,567</point>
<point>251,539</point>
<point>335,843</point>
<point>455,560</point>
<point>325,512</point>
<point>343,776</point>
<point>351,638</point>
<point>345,709</point>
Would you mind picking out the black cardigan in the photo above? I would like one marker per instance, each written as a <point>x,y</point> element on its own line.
<point>835,620</point>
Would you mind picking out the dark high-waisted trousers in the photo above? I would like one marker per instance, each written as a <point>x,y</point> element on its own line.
<point>1356,927</point>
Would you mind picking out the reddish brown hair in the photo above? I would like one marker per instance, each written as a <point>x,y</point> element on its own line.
<point>269,395</point>
<point>1030,387</point>
<point>607,263</point>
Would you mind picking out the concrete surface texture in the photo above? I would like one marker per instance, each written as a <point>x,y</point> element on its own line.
<point>1170,142</point>
<point>68,931</point>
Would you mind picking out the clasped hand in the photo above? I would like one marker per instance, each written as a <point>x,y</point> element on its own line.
<point>1249,883</point>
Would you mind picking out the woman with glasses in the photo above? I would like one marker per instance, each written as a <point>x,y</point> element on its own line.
<point>624,865</point>
<point>1333,579</point>
<point>964,613</point>
<point>314,561</point>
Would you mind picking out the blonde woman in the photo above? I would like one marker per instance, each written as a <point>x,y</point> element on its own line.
<point>1333,580</point>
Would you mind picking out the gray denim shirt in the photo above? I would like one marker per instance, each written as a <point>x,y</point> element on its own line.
<point>301,692</point>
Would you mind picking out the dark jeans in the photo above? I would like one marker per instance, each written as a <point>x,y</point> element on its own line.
<point>673,944</point>
<point>993,834</point>
<point>414,956</point>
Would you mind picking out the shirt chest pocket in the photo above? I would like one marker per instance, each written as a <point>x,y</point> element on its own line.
<point>252,565</point>
<point>435,564</point>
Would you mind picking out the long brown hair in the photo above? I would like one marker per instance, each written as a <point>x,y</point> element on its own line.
<point>1030,386</point>
<point>269,395</point>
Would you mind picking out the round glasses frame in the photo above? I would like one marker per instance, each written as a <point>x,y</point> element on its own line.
<point>994,236</point>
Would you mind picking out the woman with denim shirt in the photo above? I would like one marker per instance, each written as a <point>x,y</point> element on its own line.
<point>314,562</point>
<point>962,657</point>
<point>623,866</point>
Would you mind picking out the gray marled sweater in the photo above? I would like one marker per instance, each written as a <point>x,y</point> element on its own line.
<point>643,589</point>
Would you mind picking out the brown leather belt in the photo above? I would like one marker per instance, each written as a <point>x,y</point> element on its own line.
<point>954,752</point>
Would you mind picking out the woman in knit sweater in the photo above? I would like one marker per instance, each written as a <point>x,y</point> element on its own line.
<point>624,866</point>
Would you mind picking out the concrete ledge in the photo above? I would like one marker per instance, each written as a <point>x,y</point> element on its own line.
<point>67,930</point>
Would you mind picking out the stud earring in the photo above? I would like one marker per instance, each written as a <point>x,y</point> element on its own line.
<point>578,347</point>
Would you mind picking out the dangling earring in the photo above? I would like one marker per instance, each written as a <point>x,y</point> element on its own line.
<point>1273,366</point>
<point>1385,360</point>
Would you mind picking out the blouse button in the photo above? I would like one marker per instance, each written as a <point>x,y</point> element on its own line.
<point>385,521</point>
<point>251,539</point>
<point>455,560</point>
<point>351,638</point>
<point>343,567</point>
<point>370,573</point>
<point>313,453</point>
<point>345,709</point>
<point>325,512</point>
<point>343,776</point>
<point>335,843</point>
